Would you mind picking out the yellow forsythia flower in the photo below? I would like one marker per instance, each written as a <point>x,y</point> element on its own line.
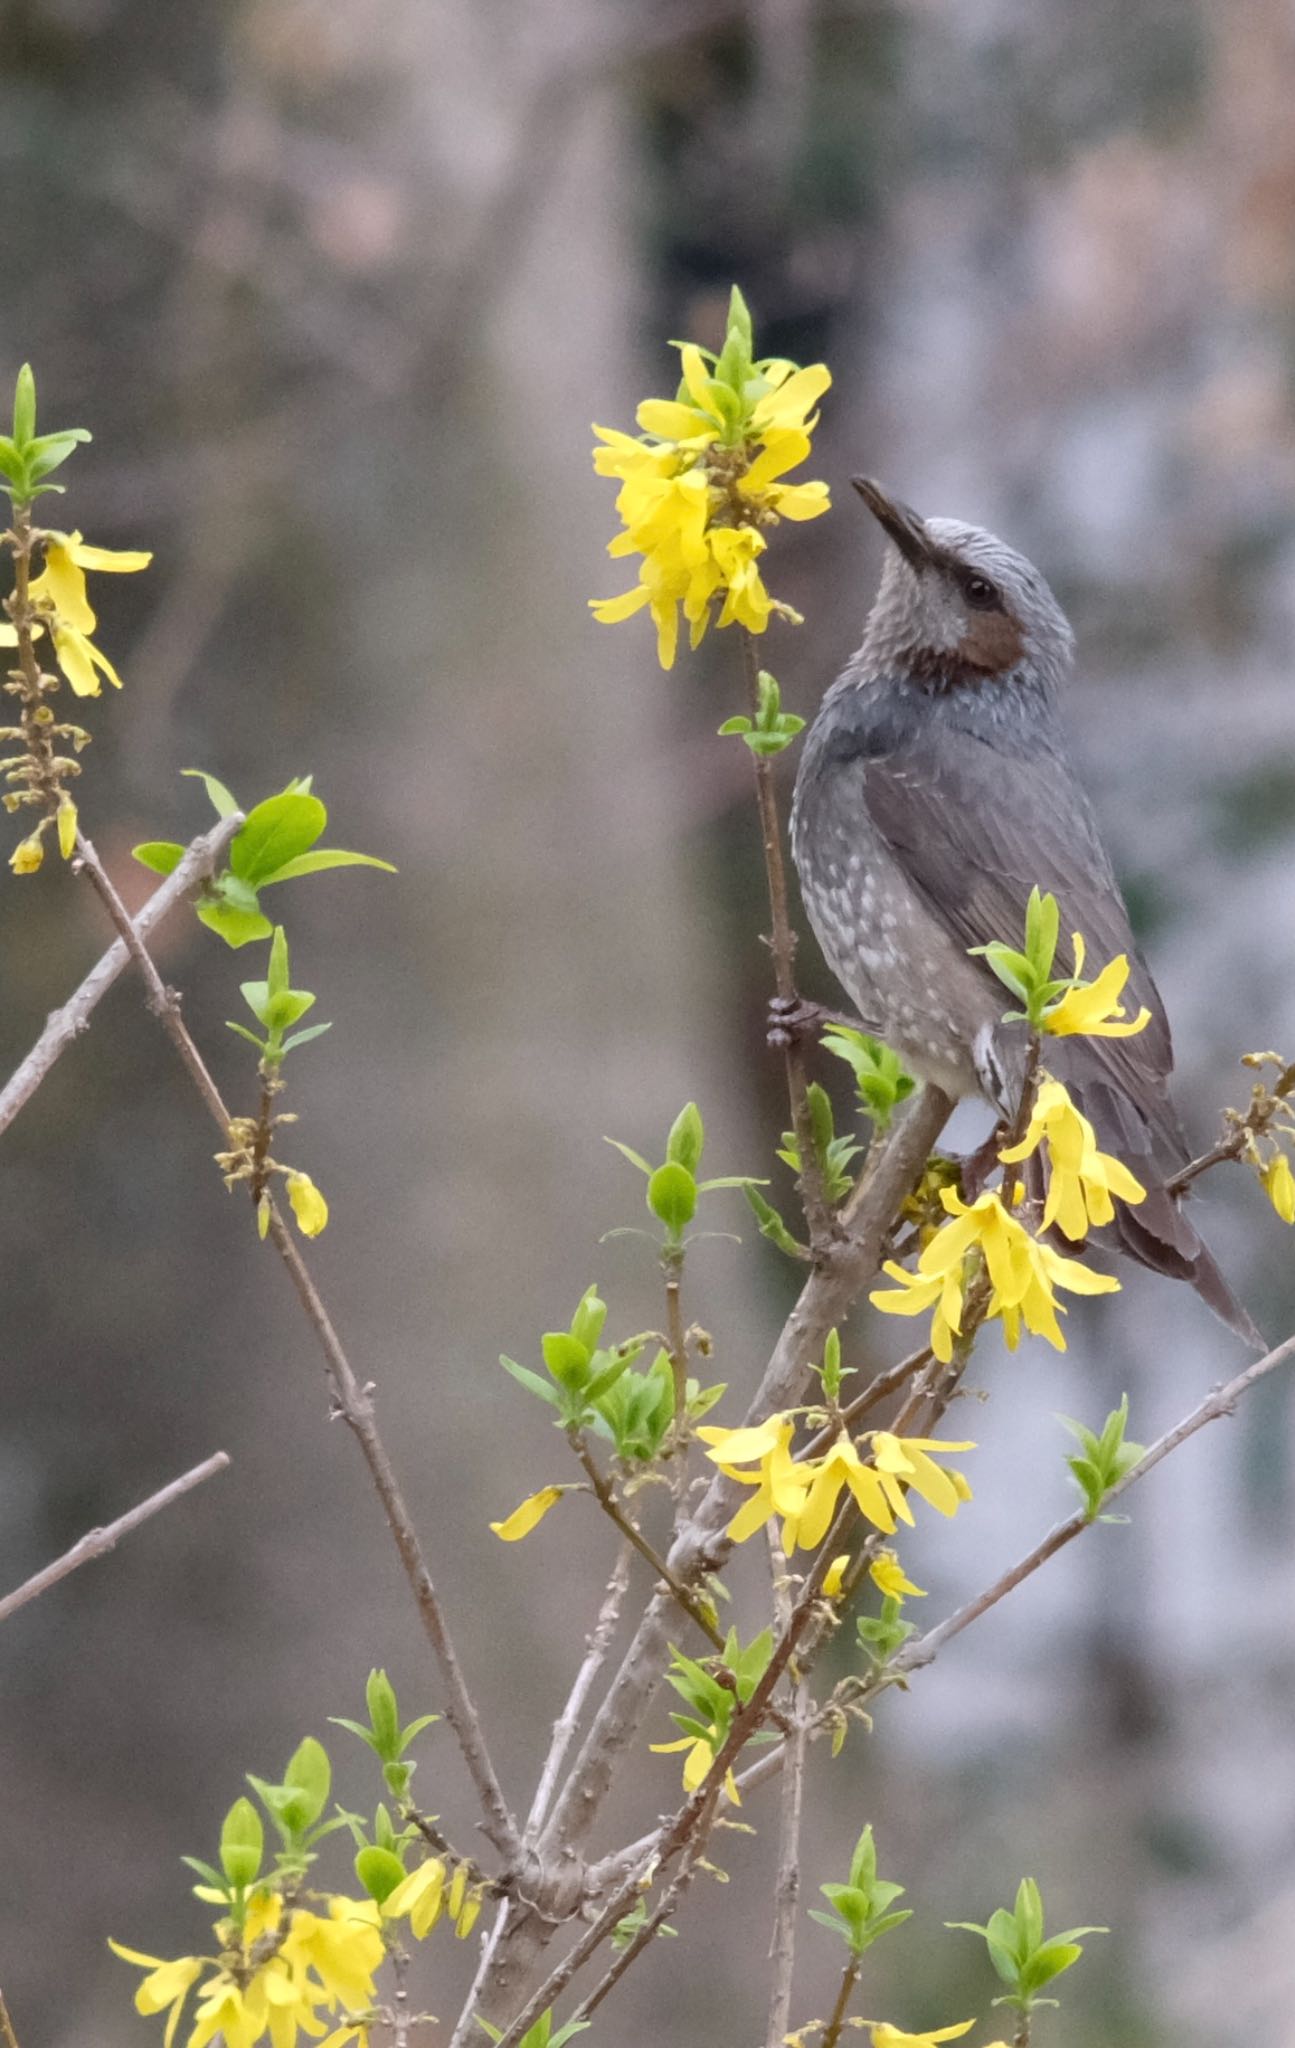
<point>886,2036</point>
<point>66,815</point>
<point>704,482</point>
<point>887,1574</point>
<point>60,589</point>
<point>421,1895</point>
<point>1279,1183</point>
<point>308,1205</point>
<point>781,1484</point>
<point>27,855</point>
<point>1095,1009</point>
<point>1081,1180</point>
<point>834,1576</point>
<point>529,1514</point>
<point>1025,1274</point>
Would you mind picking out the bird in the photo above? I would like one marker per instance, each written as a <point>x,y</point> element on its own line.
<point>935,790</point>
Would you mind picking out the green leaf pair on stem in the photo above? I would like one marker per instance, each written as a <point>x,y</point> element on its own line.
<point>673,1187</point>
<point>1025,1960</point>
<point>27,457</point>
<point>772,729</point>
<point>275,843</point>
<point>277,1007</point>
<point>1028,975</point>
<point>1102,1461</point>
<point>860,1907</point>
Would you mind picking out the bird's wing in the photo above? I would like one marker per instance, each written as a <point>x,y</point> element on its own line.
<point>974,831</point>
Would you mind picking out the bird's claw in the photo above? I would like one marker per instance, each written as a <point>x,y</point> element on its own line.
<point>793,1019</point>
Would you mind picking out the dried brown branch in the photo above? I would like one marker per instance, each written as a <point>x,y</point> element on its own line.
<point>98,1542</point>
<point>352,1401</point>
<point>564,1728</point>
<point>201,858</point>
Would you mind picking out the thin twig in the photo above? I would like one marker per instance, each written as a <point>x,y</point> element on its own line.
<point>782,947</point>
<point>1221,1401</point>
<point>200,859</point>
<point>98,1542</point>
<point>648,1932</point>
<point>693,1818</point>
<point>605,1494</point>
<point>849,1978</point>
<point>564,1728</point>
<point>353,1402</point>
<point>466,2024</point>
<point>782,1948</point>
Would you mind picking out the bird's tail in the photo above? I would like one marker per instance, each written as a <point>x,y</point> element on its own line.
<point>1157,1231</point>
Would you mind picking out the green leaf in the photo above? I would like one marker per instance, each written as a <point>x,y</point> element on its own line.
<point>50,453</point>
<point>770,1223</point>
<point>379,1872</point>
<point>587,1322</point>
<point>566,1358</point>
<point>236,927</point>
<point>384,1715</point>
<point>316,863</point>
<point>304,1037</point>
<point>531,1381</point>
<point>635,1158</point>
<point>276,832</point>
<point>223,803</point>
<point>24,406</point>
<point>310,1774</point>
<point>163,856</point>
<point>687,1138</point>
<point>733,725</point>
<point>242,1842</point>
<point>414,1728</point>
<point>672,1196</point>
<point>250,1036</point>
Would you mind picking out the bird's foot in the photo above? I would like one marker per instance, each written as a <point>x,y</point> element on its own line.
<point>794,1019</point>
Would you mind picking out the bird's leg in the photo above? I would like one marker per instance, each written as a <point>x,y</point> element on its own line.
<point>978,1167</point>
<point>794,1019</point>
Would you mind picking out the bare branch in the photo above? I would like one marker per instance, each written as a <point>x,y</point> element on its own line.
<point>605,1495</point>
<point>1221,1401</point>
<point>98,1542</point>
<point>200,859</point>
<point>782,1948</point>
<point>353,1402</point>
<point>564,1728</point>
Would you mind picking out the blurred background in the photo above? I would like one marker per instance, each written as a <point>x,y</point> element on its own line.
<point>339,288</point>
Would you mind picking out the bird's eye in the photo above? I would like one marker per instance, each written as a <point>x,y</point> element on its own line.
<point>980,593</point>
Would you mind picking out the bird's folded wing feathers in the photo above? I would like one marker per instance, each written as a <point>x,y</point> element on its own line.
<point>975,830</point>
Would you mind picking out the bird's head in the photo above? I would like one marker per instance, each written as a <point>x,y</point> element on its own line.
<point>957,606</point>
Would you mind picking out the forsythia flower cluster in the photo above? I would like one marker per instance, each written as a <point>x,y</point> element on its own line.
<point>286,1966</point>
<point>804,1492</point>
<point>1024,1275</point>
<point>704,480</point>
<point>274,1976</point>
<point>56,599</point>
<point>1083,1184</point>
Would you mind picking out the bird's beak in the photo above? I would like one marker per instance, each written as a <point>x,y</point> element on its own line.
<point>898,521</point>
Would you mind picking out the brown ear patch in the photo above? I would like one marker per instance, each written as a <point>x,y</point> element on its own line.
<point>991,643</point>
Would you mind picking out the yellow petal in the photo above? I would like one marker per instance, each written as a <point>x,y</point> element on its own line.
<point>609,611</point>
<point>1279,1184</point>
<point>308,1205</point>
<point>67,828</point>
<point>528,1515</point>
